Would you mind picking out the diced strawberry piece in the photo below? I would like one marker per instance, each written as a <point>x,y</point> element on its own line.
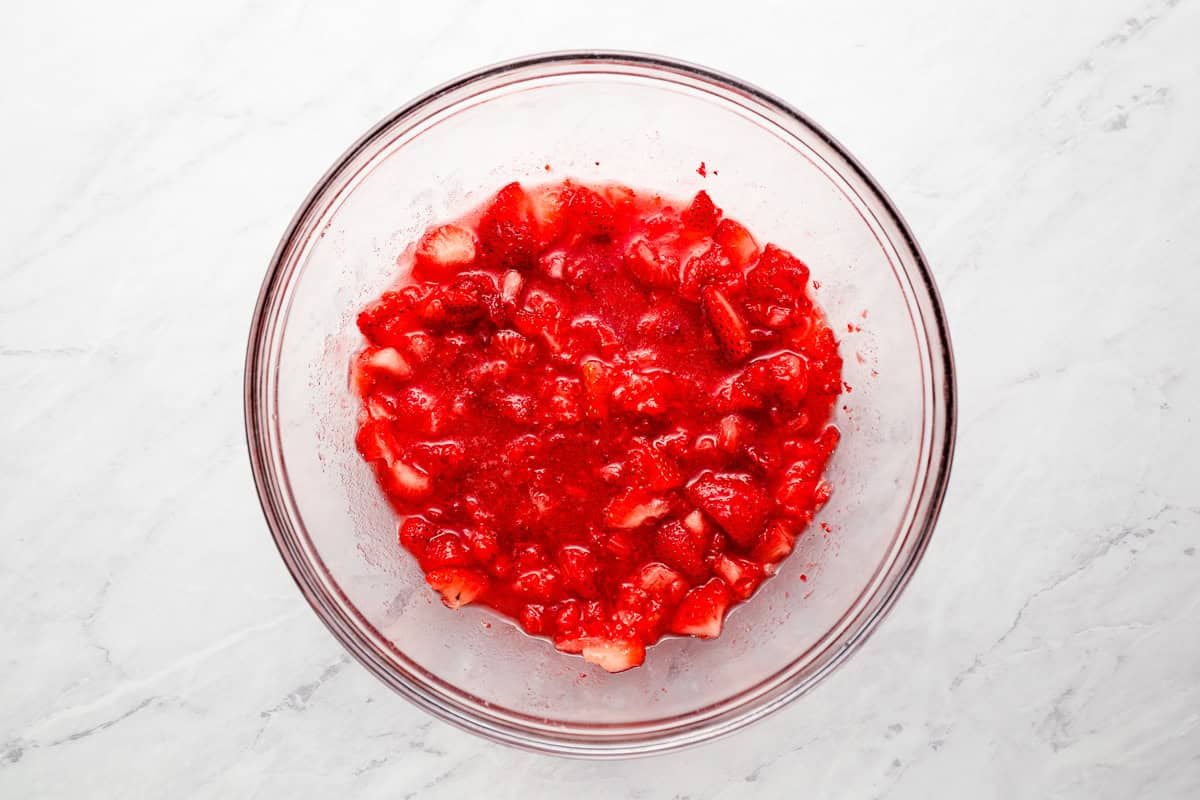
<point>444,251</point>
<point>594,336</point>
<point>516,407</point>
<point>419,346</point>
<point>534,619</point>
<point>386,321</point>
<point>483,542</point>
<point>737,242</point>
<point>589,213</point>
<point>702,214</point>
<point>539,585</point>
<point>742,576</point>
<point>711,267</point>
<point>376,441</point>
<point>613,655</point>
<point>733,431</point>
<point>540,317</point>
<point>507,236</point>
<point>681,547</point>
<point>580,569</point>
<point>403,482</point>
<point>775,543</point>
<point>513,347</point>
<point>563,399</point>
<point>445,550</point>
<point>652,469</point>
<point>661,581</point>
<point>652,268</point>
<point>650,394</point>
<point>620,545</point>
<point>438,459</point>
<point>702,611</point>
<point>458,586</point>
<point>415,534</point>
<point>727,324</point>
<point>735,500</point>
<point>510,288</point>
<point>780,279</point>
<point>548,205</point>
<point>735,394</point>
<point>597,385</point>
<point>378,363</point>
<point>633,508</point>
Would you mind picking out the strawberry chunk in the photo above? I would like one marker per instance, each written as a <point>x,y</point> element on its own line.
<point>727,325</point>
<point>403,482</point>
<point>652,268</point>
<point>445,550</point>
<point>742,575</point>
<point>652,469</point>
<point>701,613</point>
<point>445,250</point>
<point>378,364</point>
<point>701,215</point>
<point>613,655</point>
<point>681,547</point>
<point>711,267</point>
<point>780,279</point>
<point>589,213</point>
<point>737,242</point>
<point>415,534</point>
<point>735,500</point>
<point>580,569</point>
<point>507,236</point>
<point>775,543</point>
<point>633,508</point>
<point>661,581</point>
<point>458,586</point>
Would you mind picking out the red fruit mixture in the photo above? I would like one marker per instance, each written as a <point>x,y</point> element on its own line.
<point>601,413</point>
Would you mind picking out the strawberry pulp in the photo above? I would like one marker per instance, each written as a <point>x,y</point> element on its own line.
<point>603,414</point>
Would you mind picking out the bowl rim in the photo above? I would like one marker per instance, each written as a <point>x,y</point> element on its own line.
<point>626,739</point>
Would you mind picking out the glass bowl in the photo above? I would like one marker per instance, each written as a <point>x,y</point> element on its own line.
<point>648,122</point>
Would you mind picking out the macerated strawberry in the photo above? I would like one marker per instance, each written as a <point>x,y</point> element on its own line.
<point>652,268</point>
<point>742,575</point>
<point>589,213</point>
<point>635,507</point>
<point>483,542</point>
<point>775,543</point>
<point>419,346</point>
<point>507,236</point>
<point>727,325</point>
<point>548,204</point>
<point>378,363</point>
<point>613,655</point>
<point>444,251</point>
<point>733,431</point>
<point>681,547</point>
<point>701,215</point>
<point>445,549</point>
<point>438,459</point>
<point>534,619</point>
<point>736,241</point>
<point>597,385</point>
<point>735,500</point>
<point>581,569</point>
<point>711,267</point>
<point>652,469</point>
<point>513,347</point>
<point>780,279</point>
<point>539,585</point>
<point>376,441</point>
<point>661,581</point>
<point>650,394</point>
<point>403,482</point>
<point>593,336</point>
<point>457,585</point>
<point>415,533</point>
<point>701,613</point>
<point>386,321</point>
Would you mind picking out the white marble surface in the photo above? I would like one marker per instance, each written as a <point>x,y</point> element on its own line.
<point>1047,156</point>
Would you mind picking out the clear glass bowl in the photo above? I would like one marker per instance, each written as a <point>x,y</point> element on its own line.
<point>648,122</point>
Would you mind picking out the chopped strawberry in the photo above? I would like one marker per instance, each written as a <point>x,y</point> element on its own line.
<point>711,267</point>
<point>742,575</point>
<point>458,586</point>
<point>649,394</point>
<point>589,213</point>
<point>539,585</point>
<point>403,482</point>
<point>633,508</point>
<point>386,321</point>
<point>652,268</point>
<point>507,237</point>
<point>737,242</point>
<point>779,279</point>
<point>652,469</point>
<point>727,324</point>
<point>681,547</point>
<point>445,250</point>
<point>702,611</point>
<point>378,363</point>
<point>735,500</point>
<point>597,385</point>
<point>613,655</point>
<point>534,619</point>
<point>445,550</point>
<point>419,345</point>
<point>733,431</point>
<point>513,347</point>
<point>775,543</point>
<point>415,534</point>
<point>702,214</point>
<point>661,581</point>
<point>376,441</point>
<point>548,205</point>
<point>483,542</point>
<point>438,459</point>
<point>580,569</point>
<point>563,399</point>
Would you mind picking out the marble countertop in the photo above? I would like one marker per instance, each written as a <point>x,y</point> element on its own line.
<point>1046,155</point>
